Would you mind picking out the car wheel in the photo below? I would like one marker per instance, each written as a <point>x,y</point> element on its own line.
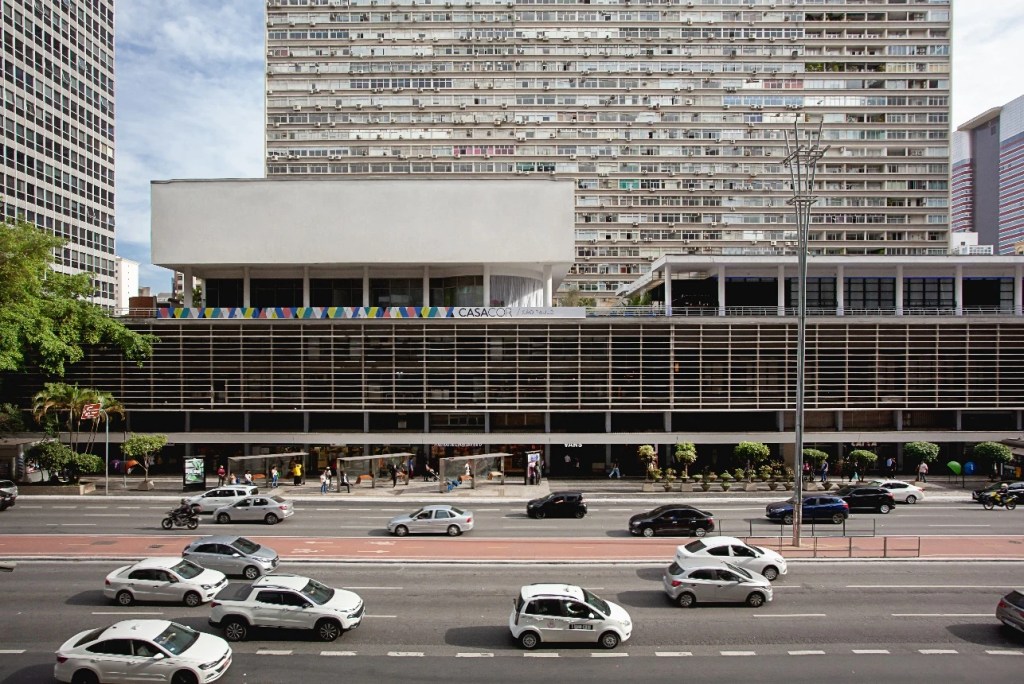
<point>223,518</point>
<point>124,598</point>
<point>837,518</point>
<point>647,531</point>
<point>700,531</point>
<point>686,600</point>
<point>167,523</point>
<point>271,519</point>
<point>787,519</point>
<point>192,599</point>
<point>184,677</point>
<point>327,630</point>
<point>755,600</point>
<point>911,499</point>
<point>884,508</point>
<point>401,531</point>
<point>85,677</point>
<point>771,573</point>
<point>251,572</point>
<point>454,531</point>
<point>235,629</point>
<point>529,640</point>
<point>580,513</point>
<point>609,640</point>
<point>538,515</point>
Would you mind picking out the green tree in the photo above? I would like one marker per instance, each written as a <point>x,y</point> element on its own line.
<point>11,419</point>
<point>751,452</point>
<point>46,315</point>
<point>815,457</point>
<point>573,297</point>
<point>55,458</point>
<point>916,452</point>
<point>648,457</point>
<point>864,459</point>
<point>998,454</point>
<point>58,406</point>
<point>143,448</point>
<point>686,454</point>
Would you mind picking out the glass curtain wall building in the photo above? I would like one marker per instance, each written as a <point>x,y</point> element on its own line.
<point>58,124</point>
<point>668,114</point>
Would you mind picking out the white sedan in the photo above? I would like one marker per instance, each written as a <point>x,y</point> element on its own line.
<point>142,651</point>
<point>763,561</point>
<point>173,580</point>
<point>269,509</point>
<point>902,492</point>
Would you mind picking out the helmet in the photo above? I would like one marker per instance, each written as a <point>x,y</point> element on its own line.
<point>184,501</point>
<point>1003,487</point>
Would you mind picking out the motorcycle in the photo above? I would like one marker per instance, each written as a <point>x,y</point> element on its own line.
<point>1007,501</point>
<point>176,518</point>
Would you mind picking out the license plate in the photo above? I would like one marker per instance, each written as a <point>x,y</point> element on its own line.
<point>586,627</point>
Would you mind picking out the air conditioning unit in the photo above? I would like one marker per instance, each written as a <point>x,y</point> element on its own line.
<point>296,108</point>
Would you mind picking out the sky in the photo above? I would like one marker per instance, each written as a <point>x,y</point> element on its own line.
<point>190,85</point>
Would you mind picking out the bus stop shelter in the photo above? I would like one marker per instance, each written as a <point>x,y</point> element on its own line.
<point>375,465</point>
<point>457,469</point>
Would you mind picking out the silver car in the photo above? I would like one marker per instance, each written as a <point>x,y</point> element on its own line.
<point>174,580</point>
<point>439,519</point>
<point>1010,610</point>
<point>232,555</point>
<point>210,501</point>
<point>269,509</point>
<point>712,581</point>
<point>11,490</point>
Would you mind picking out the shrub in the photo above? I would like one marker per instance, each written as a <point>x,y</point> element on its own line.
<point>921,451</point>
<point>994,451</point>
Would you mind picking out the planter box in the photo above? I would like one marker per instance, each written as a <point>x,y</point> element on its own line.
<point>78,489</point>
<point>647,487</point>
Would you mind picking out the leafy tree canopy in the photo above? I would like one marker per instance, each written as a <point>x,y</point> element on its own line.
<point>752,451</point>
<point>921,451</point>
<point>996,452</point>
<point>815,456</point>
<point>45,315</point>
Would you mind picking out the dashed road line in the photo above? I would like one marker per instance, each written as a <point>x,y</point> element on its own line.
<point>871,651</point>
<point>673,654</point>
<point>806,653</point>
<point>272,652</point>
<point>1009,653</point>
<point>737,653</point>
<point>128,612</point>
<point>937,651</point>
<point>609,655</point>
<point>12,651</point>
<point>474,655</point>
<point>941,615</point>
<point>540,655</point>
<point>789,615</point>
<point>405,654</point>
<point>337,653</point>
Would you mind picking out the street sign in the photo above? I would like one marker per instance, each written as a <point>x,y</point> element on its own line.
<point>90,411</point>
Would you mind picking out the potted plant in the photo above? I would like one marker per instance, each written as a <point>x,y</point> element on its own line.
<point>790,481</point>
<point>649,460</point>
<point>727,480</point>
<point>686,455</point>
<point>668,477</point>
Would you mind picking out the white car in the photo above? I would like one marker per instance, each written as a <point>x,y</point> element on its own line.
<point>221,496</point>
<point>142,651</point>
<point>560,613</point>
<point>269,509</point>
<point>902,492</point>
<point>173,580</point>
<point>757,559</point>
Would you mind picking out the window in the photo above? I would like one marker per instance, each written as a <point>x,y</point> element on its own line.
<point>112,647</point>
<point>709,575</point>
<point>544,607</point>
<point>719,551</point>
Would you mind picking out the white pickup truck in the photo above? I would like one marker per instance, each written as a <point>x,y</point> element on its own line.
<point>285,601</point>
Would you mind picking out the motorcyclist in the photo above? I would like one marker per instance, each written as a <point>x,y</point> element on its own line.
<point>182,511</point>
<point>1000,496</point>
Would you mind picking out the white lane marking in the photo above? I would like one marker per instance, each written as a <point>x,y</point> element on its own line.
<point>1009,653</point>
<point>923,586</point>
<point>738,653</point>
<point>331,510</point>
<point>129,508</point>
<point>540,655</point>
<point>937,651</point>
<point>806,653</point>
<point>11,651</point>
<point>375,517</point>
<point>337,653</point>
<point>941,614</point>
<point>375,588</point>
<point>474,655</point>
<point>871,651</point>
<point>106,515</point>
<point>405,654</point>
<point>272,652</point>
<point>128,612</point>
<point>71,525</point>
<point>790,615</point>
<point>358,509</point>
<point>379,616</point>
<point>609,655</point>
<point>673,654</point>
<point>959,526</point>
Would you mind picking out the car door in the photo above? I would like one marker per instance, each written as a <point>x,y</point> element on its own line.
<point>267,608</point>
<point>109,658</point>
<point>729,587</point>
<point>703,583</point>
<point>259,508</point>
<point>745,557</point>
<point>144,665</point>
<point>295,613</point>
<point>422,522</point>
<point>812,508</point>
<point>545,615</point>
<point>242,510</point>
<point>440,521</point>
<point>555,507</point>
<point>898,490</point>
<point>166,587</point>
<point>143,584</point>
<point>582,622</point>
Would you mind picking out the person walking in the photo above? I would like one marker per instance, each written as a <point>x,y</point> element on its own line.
<point>615,471</point>
<point>922,472</point>
<point>221,474</point>
<point>411,467</point>
<point>330,476</point>
<point>824,472</point>
<point>274,475</point>
<point>323,482</point>
<point>297,474</point>
<point>393,471</point>
<point>343,482</point>
<point>890,466</point>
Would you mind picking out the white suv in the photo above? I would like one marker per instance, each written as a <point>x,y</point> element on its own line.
<point>559,613</point>
<point>221,496</point>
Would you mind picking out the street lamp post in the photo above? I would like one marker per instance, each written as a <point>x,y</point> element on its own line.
<point>803,151</point>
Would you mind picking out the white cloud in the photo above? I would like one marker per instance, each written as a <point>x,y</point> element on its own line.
<point>987,51</point>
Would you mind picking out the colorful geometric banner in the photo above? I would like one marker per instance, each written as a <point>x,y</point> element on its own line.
<point>371,312</point>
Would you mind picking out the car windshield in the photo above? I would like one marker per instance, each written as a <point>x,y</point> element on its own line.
<point>415,513</point>
<point>245,545</point>
<point>695,546</point>
<point>176,639</point>
<point>740,571</point>
<point>187,570</point>
<point>317,593</point>
<point>594,602</point>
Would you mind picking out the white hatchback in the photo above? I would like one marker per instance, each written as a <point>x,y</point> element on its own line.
<point>757,559</point>
<point>269,509</point>
<point>142,651</point>
<point>562,613</point>
<point>173,580</point>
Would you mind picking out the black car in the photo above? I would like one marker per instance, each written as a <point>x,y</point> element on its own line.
<point>672,519</point>
<point>6,501</point>
<point>558,505</point>
<point>869,498</point>
<point>1011,487</point>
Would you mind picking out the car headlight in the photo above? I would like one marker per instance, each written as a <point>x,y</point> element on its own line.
<point>209,666</point>
<point>634,523</point>
<point>207,586</point>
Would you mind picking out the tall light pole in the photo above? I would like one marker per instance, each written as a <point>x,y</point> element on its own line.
<point>803,152</point>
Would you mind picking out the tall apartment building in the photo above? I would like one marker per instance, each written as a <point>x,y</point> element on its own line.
<point>988,177</point>
<point>670,114</point>
<point>58,125</point>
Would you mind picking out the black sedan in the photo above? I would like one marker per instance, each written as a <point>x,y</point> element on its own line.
<point>867,498</point>
<point>672,519</point>
<point>558,505</point>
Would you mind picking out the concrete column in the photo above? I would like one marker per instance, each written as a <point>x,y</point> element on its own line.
<point>547,286</point>
<point>1018,296</point>
<point>305,286</point>
<point>721,290</point>
<point>958,293</point>
<point>366,286</point>
<point>668,289</point>
<point>246,298</point>
<point>426,285</point>
<point>186,287</point>
<point>840,290</point>
<point>899,290</point>
<point>780,290</point>
<point>305,422</point>
<point>487,286</point>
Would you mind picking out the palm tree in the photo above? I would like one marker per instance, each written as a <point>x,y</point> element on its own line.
<point>65,402</point>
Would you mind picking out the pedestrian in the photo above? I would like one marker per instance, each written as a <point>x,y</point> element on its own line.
<point>323,482</point>
<point>615,471</point>
<point>411,467</point>
<point>807,471</point>
<point>330,476</point>
<point>248,478</point>
<point>890,467</point>
<point>922,472</point>
<point>531,474</point>
<point>568,463</point>
<point>855,474</point>
<point>297,473</point>
<point>393,471</point>
<point>576,464</point>
<point>343,482</point>
<point>824,472</point>
<point>274,475</point>
<point>221,474</point>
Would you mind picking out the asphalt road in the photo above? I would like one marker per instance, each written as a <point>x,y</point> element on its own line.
<point>344,518</point>
<point>844,622</point>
